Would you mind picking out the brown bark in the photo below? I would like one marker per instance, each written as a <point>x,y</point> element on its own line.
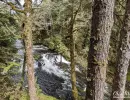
<point>123,58</point>
<point>102,22</point>
<point>28,50</point>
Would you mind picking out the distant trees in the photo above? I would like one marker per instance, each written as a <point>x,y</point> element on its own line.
<point>102,22</point>
<point>122,58</point>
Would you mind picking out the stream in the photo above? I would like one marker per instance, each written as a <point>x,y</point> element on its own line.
<point>52,72</point>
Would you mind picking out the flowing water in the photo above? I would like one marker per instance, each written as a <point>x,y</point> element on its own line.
<point>53,72</point>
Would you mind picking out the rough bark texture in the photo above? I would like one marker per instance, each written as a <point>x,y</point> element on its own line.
<point>123,58</point>
<point>28,50</point>
<point>102,22</point>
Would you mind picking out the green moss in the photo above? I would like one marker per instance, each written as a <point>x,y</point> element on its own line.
<point>128,76</point>
<point>24,96</point>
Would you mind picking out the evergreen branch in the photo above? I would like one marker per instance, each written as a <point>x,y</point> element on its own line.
<point>10,31</point>
<point>7,68</point>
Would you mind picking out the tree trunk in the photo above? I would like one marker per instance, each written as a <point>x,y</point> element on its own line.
<point>123,58</point>
<point>24,66</point>
<point>23,71</point>
<point>72,55</point>
<point>102,22</point>
<point>28,50</point>
<point>73,73</point>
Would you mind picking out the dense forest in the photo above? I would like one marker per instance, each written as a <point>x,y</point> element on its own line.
<point>64,49</point>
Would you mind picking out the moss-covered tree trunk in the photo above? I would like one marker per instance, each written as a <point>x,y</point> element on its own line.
<point>123,58</point>
<point>102,22</point>
<point>72,55</point>
<point>28,50</point>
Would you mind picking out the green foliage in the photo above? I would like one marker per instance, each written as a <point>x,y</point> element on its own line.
<point>7,68</point>
<point>55,43</point>
<point>57,14</point>
<point>45,97</point>
<point>21,94</point>
<point>36,56</point>
<point>41,96</point>
<point>8,28</point>
<point>8,88</point>
<point>128,76</point>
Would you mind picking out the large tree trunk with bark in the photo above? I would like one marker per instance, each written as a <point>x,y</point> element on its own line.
<point>102,22</point>
<point>123,58</point>
<point>28,49</point>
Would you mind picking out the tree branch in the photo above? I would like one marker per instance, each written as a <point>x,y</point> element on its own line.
<point>77,10</point>
<point>15,8</point>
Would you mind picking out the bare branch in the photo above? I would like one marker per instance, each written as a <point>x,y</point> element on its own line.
<point>15,8</point>
<point>77,10</point>
<point>17,1</point>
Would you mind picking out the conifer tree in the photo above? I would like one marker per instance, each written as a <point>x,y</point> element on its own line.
<point>122,58</point>
<point>102,22</point>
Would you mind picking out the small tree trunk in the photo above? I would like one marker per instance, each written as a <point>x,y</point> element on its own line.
<point>24,66</point>
<point>28,50</point>
<point>102,22</point>
<point>73,73</point>
<point>123,58</point>
<point>23,70</point>
<point>72,55</point>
